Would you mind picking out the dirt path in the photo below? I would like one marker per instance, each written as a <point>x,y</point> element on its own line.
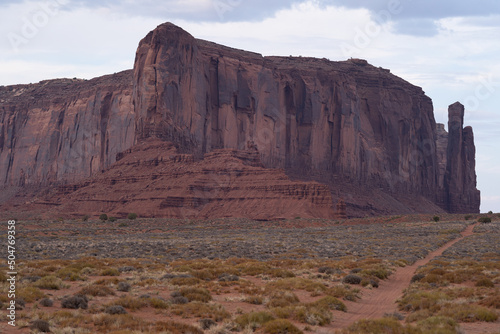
<point>377,302</point>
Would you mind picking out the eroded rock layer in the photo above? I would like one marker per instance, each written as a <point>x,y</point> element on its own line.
<point>153,180</point>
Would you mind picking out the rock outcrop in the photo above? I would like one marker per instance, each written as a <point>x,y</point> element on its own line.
<point>153,180</point>
<point>460,177</point>
<point>64,130</point>
<point>368,135</point>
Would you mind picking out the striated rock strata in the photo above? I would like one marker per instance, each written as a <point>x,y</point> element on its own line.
<point>153,180</point>
<point>368,135</point>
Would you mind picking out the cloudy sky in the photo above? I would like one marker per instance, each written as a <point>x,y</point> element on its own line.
<point>450,48</point>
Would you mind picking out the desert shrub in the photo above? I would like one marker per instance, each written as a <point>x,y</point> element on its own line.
<point>491,301</point>
<point>158,303</point>
<point>185,281</point>
<point>115,309</point>
<point>355,270</point>
<point>30,294</point>
<point>468,313</point>
<point>343,291</point>
<point>112,219</point>
<point>370,281</point>
<point>196,294</point>
<point>282,298</point>
<point>329,270</point>
<point>207,323</point>
<point>46,302</point>
<point>96,290</point>
<point>435,218</point>
<point>441,325</point>
<point>177,298</point>
<point>280,273</point>
<point>176,328</point>
<point>329,302</point>
<point>490,212</point>
<point>421,300</point>
<point>378,326</point>
<point>228,278</point>
<point>468,217</point>
<point>280,326</point>
<point>49,283</point>
<point>110,272</point>
<point>40,326</point>
<point>131,303</point>
<point>132,216</point>
<point>352,279</point>
<point>432,278</point>
<point>20,303</point>
<point>103,217</point>
<point>295,283</point>
<point>253,320</point>
<point>316,315</point>
<point>485,282</point>
<point>123,287</point>
<point>85,218</point>
<point>256,300</point>
<point>378,272</point>
<point>75,302</point>
<point>484,220</point>
<point>201,310</point>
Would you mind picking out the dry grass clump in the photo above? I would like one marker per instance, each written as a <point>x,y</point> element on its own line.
<point>176,328</point>
<point>130,303</point>
<point>280,326</point>
<point>195,294</point>
<point>29,294</point>
<point>253,320</point>
<point>282,298</point>
<point>50,283</point>
<point>296,283</point>
<point>97,290</point>
<point>215,312</point>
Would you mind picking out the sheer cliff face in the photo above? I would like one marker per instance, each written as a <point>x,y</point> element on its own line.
<point>64,130</point>
<point>367,134</point>
<point>327,120</point>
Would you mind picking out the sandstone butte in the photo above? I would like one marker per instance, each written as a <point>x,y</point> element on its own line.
<point>201,130</point>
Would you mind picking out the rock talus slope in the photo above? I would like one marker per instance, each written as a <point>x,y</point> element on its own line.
<point>368,135</point>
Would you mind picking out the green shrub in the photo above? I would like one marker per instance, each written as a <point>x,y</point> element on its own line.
<point>103,217</point>
<point>112,219</point>
<point>85,218</point>
<point>468,217</point>
<point>490,212</point>
<point>280,326</point>
<point>435,218</point>
<point>484,220</point>
<point>132,216</point>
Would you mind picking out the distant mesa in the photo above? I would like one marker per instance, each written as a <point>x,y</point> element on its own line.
<point>290,133</point>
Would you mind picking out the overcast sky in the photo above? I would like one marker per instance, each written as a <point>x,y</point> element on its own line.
<point>450,48</point>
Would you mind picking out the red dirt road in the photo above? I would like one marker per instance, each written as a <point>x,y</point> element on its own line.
<point>377,302</point>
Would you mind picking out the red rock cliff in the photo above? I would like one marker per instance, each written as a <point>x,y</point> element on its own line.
<point>366,133</point>
<point>64,130</point>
